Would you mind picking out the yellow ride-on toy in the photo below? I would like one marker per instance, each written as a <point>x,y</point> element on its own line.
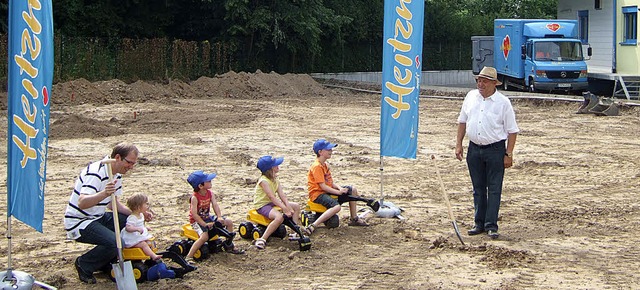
<point>314,210</point>
<point>249,230</point>
<point>141,263</point>
<point>215,244</point>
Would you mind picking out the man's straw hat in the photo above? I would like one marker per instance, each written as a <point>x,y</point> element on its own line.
<point>489,73</point>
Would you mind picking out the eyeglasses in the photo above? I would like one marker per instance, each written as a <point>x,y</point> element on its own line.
<point>130,162</point>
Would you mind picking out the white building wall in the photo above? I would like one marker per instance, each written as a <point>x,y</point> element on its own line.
<point>601,31</point>
<point>456,78</point>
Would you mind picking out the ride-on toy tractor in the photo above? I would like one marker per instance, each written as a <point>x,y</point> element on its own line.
<point>215,244</point>
<point>314,210</point>
<point>249,230</point>
<point>141,263</point>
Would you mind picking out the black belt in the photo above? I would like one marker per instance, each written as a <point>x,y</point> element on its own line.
<point>501,142</point>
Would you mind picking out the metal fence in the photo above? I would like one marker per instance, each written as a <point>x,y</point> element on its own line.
<point>159,59</point>
<point>131,59</point>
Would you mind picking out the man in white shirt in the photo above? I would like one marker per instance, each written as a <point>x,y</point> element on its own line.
<point>488,120</point>
<point>86,219</point>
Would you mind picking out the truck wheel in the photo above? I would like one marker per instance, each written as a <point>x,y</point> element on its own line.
<point>532,89</point>
<point>505,84</point>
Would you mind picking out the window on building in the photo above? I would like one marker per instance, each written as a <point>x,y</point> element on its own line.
<point>583,25</point>
<point>630,28</point>
<point>598,5</point>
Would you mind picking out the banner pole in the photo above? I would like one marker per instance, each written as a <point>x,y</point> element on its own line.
<point>9,275</point>
<point>381,180</point>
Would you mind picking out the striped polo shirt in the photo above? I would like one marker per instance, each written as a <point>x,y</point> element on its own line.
<point>91,180</point>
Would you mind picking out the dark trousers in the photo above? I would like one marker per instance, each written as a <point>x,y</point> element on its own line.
<point>100,233</point>
<point>486,168</point>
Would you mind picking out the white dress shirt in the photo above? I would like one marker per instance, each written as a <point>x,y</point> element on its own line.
<point>488,120</point>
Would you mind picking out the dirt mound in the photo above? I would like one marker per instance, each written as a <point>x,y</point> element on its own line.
<point>76,126</point>
<point>234,85</point>
<point>180,114</point>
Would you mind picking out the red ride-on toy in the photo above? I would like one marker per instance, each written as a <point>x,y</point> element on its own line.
<point>249,230</point>
<point>215,244</point>
<point>313,210</point>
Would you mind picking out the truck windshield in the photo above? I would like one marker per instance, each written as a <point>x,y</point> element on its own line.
<point>558,51</point>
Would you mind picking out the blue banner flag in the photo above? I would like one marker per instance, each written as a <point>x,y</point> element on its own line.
<point>401,69</point>
<point>30,62</point>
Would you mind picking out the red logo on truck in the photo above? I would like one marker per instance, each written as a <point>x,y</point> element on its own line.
<point>506,46</point>
<point>553,26</point>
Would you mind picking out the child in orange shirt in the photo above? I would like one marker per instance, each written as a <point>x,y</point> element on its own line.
<point>320,185</point>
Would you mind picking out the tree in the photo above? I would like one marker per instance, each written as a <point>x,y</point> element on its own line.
<point>281,31</point>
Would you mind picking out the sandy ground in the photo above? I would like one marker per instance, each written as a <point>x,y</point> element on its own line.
<point>569,215</point>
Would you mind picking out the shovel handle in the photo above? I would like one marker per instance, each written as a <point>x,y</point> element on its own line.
<point>116,219</point>
<point>443,189</point>
<point>446,199</point>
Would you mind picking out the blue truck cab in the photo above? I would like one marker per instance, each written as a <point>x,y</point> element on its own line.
<point>537,55</point>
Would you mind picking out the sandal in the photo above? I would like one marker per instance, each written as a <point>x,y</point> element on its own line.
<point>357,222</point>
<point>235,251</point>
<point>309,229</point>
<point>260,243</point>
<point>190,261</point>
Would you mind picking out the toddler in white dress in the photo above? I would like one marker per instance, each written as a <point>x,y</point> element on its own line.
<point>135,234</point>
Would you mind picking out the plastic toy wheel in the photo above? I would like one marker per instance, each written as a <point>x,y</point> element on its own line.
<point>332,222</point>
<point>106,269</point>
<point>140,271</point>
<point>178,248</point>
<point>186,245</point>
<point>215,246</point>
<point>256,233</point>
<point>307,218</point>
<point>245,229</point>
<point>112,274</point>
<point>280,232</point>
<point>202,253</point>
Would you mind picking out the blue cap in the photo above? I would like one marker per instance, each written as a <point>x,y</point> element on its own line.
<point>322,144</point>
<point>199,177</point>
<point>267,162</point>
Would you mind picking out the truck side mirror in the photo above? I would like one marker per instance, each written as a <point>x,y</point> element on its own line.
<point>589,51</point>
<point>523,52</point>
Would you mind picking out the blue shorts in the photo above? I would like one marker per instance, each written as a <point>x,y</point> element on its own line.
<point>266,209</point>
<point>328,201</point>
<point>200,229</point>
